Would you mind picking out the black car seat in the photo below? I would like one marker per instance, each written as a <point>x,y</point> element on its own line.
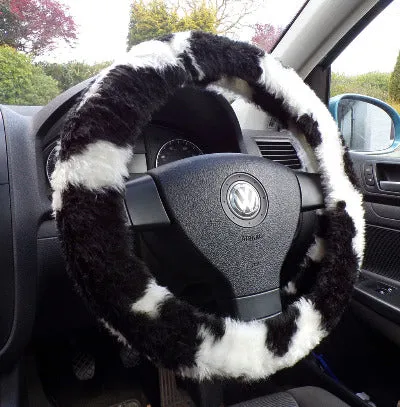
<point>300,397</point>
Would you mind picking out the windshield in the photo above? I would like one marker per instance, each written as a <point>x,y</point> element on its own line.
<point>47,46</point>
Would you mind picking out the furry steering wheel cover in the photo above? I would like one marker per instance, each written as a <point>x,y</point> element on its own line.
<point>89,180</point>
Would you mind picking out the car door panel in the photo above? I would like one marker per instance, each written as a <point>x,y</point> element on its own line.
<point>379,284</point>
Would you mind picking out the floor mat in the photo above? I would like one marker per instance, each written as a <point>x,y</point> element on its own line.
<point>171,395</point>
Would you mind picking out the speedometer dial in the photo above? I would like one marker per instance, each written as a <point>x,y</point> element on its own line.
<point>175,150</point>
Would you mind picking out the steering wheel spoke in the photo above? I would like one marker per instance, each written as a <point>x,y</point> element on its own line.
<point>144,205</point>
<point>311,191</point>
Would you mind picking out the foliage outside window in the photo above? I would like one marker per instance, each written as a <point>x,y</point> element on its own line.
<point>368,65</point>
<point>22,82</point>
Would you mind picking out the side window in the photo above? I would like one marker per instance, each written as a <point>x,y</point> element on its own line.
<point>365,85</point>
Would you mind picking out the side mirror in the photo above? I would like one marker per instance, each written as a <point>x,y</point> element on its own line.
<point>367,124</point>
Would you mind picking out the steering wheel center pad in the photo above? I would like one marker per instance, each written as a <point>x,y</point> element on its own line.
<point>191,190</point>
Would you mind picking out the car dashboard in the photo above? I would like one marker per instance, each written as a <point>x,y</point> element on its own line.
<point>193,122</point>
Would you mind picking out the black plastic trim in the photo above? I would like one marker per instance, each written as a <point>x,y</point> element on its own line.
<point>386,211</point>
<point>11,388</point>
<point>390,186</point>
<point>51,113</point>
<point>387,305</point>
<point>259,306</point>
<point>144,204</point>
<point>373,193</point>
<point>26,212</point>
<point>319,80</point>
<point>47,229</point>
<point>388,328</point>
<point>7,282</point>
<point>3,154</point>
<point>311,191</point>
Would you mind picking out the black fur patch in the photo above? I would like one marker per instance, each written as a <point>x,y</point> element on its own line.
<point>322,225</point>
<point>219,56</point>
<point>126,100</point>
<point>305,280</point>
<point>348,164</point>
<point>170,340</point>
<point>165,38</point>
<point>349,169</point>
<point>271,104</point>
<point>280,330</point>
<point>98,247</point>
<point>310,129</point>
<point>338,273</point>
<point>215,325</point>
<point>187,62</point>
<point>106,272</point>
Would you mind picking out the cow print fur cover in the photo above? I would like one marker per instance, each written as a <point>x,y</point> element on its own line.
<point>88,184</point>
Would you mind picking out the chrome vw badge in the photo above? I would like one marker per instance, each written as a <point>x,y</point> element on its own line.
<point>243,200</point>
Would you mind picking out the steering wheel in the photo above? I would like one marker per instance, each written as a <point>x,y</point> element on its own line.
<point>240,212</point>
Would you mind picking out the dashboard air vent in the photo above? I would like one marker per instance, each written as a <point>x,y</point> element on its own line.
<point>280,151</point>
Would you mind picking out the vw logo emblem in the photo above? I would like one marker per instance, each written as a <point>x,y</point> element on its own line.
<point>243,200</point>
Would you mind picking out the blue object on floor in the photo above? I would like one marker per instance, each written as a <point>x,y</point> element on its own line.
<point>325,366</point>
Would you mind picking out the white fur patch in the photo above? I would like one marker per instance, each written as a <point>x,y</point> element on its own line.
<point>237,86</point>
<point>95,86</point>
<point>149,54</point>
<point>180,44</point>
<point>316,252</point>
<point>300,99</point>
<point>56,202</point>
<point>290,288</point>
<point>121,338</point>
<point>338,186</point>
<point>101,165</point>
<point>152,299</point>
<point>242,351</point>
<point>239,352</point>
<point>308,335</point>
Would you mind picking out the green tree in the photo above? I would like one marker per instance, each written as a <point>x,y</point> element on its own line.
<point>374,84</point>
<point>22,82</point>
<point>155,18</point>
<point>229,14</point>
<point>201,17</point>
<point>71,73</point>
<point>394,83</point>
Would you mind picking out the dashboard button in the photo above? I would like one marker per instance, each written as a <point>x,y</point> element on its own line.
<point>369,180</point>
<point>369,175</point>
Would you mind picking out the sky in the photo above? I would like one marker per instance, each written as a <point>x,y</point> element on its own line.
<point>103,28</point>
<point>102,31</point>
<point>376,48</point>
